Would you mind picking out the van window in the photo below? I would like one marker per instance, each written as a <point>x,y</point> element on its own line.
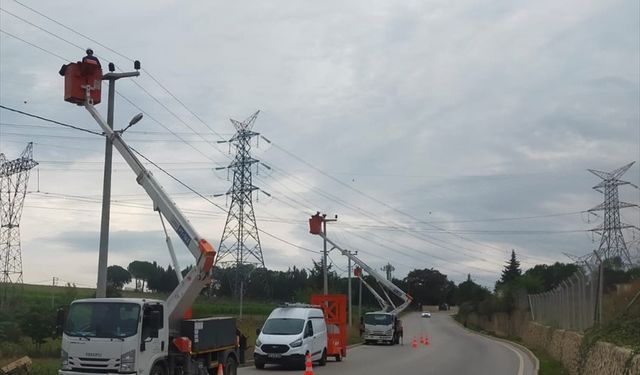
<point>283,326</point>
<point>318,325</point>
<point>308,331</point>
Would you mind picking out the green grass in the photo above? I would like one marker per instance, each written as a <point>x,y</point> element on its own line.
<point>548,365</point>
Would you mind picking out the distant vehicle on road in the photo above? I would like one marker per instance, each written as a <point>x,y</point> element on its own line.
<point>443,307</point>
<point>426,314</point>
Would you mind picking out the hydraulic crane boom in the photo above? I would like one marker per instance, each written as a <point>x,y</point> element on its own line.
<point>383,304</point>
<point>198,277</point>
<point>315,222</point>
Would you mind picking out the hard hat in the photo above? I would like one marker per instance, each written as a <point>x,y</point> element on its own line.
<point>89,51</point>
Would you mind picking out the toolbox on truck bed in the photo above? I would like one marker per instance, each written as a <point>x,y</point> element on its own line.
<point>209,333</point>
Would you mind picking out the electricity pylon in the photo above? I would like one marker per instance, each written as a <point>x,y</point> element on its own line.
<point>612,242</point>
<point>14,176</point>
<point>240,242</point>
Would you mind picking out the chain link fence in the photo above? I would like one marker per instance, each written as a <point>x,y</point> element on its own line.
<point>571,305</point>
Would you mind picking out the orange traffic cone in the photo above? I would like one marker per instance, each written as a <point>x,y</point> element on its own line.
<point>414,343</point>
<point>309,367</point>
<point>220,369</point>
<point>426,341</point>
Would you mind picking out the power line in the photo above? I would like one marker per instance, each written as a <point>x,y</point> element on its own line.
<point>50,120</point>
<point>33,45</point>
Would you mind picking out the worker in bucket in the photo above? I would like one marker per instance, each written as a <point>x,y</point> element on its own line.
<point>90,58</point>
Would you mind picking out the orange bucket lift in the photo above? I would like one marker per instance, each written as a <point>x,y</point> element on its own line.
<point>335,315</point>
<point>80,76</point>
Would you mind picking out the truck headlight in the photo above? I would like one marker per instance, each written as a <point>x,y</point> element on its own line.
<point>258,343</point>
<point>64,356</point>
<point>128,361</point>
<point>296,343</point>
<point>388,332</point>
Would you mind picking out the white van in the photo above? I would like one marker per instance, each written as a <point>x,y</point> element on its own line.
<point>289,333</point>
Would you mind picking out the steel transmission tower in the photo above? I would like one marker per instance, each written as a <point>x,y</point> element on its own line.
<point>240,242</point>
<point>612,241</point>
<point>14,176</point>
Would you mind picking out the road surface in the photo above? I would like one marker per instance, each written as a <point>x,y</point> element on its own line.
<point>452,350</point>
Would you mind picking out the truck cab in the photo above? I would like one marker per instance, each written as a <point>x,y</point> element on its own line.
<point>382,327</point>
<point>114,335</point>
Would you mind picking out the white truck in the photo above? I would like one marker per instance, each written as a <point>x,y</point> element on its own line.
<point>145,336</point>
<point>380,326</point>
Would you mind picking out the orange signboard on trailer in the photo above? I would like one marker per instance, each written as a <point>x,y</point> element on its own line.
<point>335,316</point>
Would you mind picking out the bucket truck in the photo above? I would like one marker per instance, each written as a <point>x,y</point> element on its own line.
<point>380,326</point>
<point>139,335</point>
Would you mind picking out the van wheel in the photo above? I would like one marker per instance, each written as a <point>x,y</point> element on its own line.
<point>230,366</point>
<point>259,364</point>
<point>157,369</point>
<point>323,358</point>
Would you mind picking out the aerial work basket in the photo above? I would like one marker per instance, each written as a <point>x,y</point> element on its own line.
<point>80,76</point>
<point>315,224</point>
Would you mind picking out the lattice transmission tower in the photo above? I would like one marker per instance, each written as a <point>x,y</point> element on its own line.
<point>612,242</point>
<point>14,175</point>
<point>240,242</point>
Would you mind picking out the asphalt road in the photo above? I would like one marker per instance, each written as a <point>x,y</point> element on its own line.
<point>451,350</point>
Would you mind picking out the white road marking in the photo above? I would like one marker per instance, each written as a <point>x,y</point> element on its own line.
<point>520,357</point>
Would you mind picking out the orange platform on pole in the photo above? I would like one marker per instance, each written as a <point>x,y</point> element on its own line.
<point>77,77</point>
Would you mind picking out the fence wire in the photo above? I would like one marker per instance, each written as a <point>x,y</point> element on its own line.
<point>571,305</point>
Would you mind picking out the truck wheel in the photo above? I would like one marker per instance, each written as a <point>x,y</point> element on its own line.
<point>157,369</point>
<point>259,364</point>
<point>231,367</point>
<point>338,357</point>
<point>323,358</point>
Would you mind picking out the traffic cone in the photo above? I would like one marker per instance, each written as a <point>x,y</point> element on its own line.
<point>421,339</point>
<point>414,343</point>
<point>220,369</point>
<point>308,366</point>
<point>426,341</point>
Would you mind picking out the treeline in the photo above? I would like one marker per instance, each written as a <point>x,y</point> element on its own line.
<point>427,286</point>
<point>511,290</point>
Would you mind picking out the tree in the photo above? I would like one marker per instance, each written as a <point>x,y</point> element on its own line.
<point>38,323</point>
<point>118,276</point>
<point>141,271</point>
<point>511,271</point>
<point>428,286</point>
<point>549,276</point>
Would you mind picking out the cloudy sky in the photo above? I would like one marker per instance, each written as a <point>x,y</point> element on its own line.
<point>442,133</point>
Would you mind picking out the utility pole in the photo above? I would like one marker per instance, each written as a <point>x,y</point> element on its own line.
<point>600,288</point>
<point>358,272</point>
<point>325,282</point>
<point>349,284</point>
<point>101,289</point>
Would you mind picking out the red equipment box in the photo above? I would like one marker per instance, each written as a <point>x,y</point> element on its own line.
<point>315,224</point>
<point>77,76</point>
<point>335,315</point>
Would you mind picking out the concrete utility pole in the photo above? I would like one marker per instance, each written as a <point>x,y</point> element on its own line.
<point>349,285</point>
<point>101,290</point>
<point>324,252</point>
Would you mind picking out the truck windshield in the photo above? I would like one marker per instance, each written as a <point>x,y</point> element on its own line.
<point>283,326</point>
<point>105,320</point>
<point>378,319</point>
